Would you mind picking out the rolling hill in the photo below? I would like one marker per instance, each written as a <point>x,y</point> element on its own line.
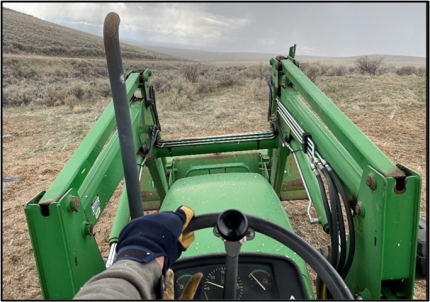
<point>211,56</point>
<point>24,34</point>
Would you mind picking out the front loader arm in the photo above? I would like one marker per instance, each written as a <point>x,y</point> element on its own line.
<point>385,197</point>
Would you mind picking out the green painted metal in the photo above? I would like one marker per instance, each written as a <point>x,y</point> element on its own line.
<point>107,171</point>
<point>215,148</point>
<point>292,185</point>
<point>145,89</point>
<point>327,145</point>
<point>122,217</point>
<point>158,177</point>
<point>150,198</point>
<point>388,231</point>
<point>359,146</point>
<point>181,165</point>
<point>66,254</point>
<point>247,192</point>
<point>351,154</point>
<point>217,168</point>
<point>278,168</point>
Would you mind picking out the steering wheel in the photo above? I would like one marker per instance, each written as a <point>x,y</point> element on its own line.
<point>322,267</point>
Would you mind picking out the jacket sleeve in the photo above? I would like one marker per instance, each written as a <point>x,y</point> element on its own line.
<point>125,280</point>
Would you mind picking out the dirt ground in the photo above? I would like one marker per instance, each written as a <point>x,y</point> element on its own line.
<point>402,139</point>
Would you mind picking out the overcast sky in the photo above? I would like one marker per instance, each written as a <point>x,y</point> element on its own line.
<point>321,29</point>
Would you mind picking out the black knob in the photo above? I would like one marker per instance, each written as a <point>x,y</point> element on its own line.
<point>232,225</point>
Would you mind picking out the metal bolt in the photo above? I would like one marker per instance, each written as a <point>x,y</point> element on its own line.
<point>250,234</point>
<point>359,209</point>
<point>371,182</point>
<point>216,233</point>
<point>73,204</point>
<point>87,229</point>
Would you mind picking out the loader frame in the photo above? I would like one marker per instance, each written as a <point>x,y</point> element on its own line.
<point>385,197</point>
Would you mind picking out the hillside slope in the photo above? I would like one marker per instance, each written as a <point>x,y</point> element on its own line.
<point>25,34</point>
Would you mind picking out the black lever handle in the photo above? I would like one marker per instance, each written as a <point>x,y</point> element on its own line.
<point>232,225</point>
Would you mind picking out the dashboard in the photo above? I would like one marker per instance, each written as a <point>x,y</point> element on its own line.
<point>260,277</point>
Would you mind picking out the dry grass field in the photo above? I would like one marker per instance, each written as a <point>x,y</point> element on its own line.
<point>55,86</point>
<point>43,138</point>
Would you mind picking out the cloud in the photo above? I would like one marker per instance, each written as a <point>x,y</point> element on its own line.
<point>211,21</point>
<point>82,23</point>
<point>307,49</point>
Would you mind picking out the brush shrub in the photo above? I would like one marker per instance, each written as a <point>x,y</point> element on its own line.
<point>365,65</point>
<point>71,100</point>
<point>206,84</point>
<point>190,72</point>
<point>226,78</point>
<point>406,70</point>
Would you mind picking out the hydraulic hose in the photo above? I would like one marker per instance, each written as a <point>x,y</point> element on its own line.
<point>341,225</point>
<point>351,251</point>
<point>334,200</point>
<point>326,208</point>
<point>339,216</point>
<point>269,82</point>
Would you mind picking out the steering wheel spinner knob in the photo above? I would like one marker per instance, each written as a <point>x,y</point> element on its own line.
<point>232,225</point>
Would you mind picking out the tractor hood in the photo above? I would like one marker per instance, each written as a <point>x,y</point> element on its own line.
<point>247,192</point>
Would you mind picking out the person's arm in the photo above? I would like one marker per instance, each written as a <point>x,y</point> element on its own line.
<point>124,280</point>
<point>147,247</point>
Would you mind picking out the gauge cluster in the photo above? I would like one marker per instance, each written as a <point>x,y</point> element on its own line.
<point>260,277</point>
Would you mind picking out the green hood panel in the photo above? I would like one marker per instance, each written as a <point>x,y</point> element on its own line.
<point>247,192</point>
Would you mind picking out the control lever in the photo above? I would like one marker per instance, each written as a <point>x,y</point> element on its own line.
<point>232,226</point>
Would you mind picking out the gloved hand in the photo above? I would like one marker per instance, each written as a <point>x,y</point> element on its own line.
<point>169,291</point>
<point>192,291</point>
<point>155,235</point>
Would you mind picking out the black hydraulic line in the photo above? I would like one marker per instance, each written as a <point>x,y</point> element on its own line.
<point>342,233</point>
<point>334,222</point>
<point>269,113</point>
<point>122,114</point>
<point>341,224</point>
<point>327,209</point>
<point>281,135</point>
<point>351,251</point>
<point>154,106</point>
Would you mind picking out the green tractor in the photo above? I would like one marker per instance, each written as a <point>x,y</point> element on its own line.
<point>244,244</point>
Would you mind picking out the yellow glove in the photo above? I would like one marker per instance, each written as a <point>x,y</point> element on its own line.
<point>169,293</point>
<point>189,289</point>
<point>188,238</point>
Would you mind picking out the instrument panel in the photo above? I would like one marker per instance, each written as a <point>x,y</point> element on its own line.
<point>261,277</point>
